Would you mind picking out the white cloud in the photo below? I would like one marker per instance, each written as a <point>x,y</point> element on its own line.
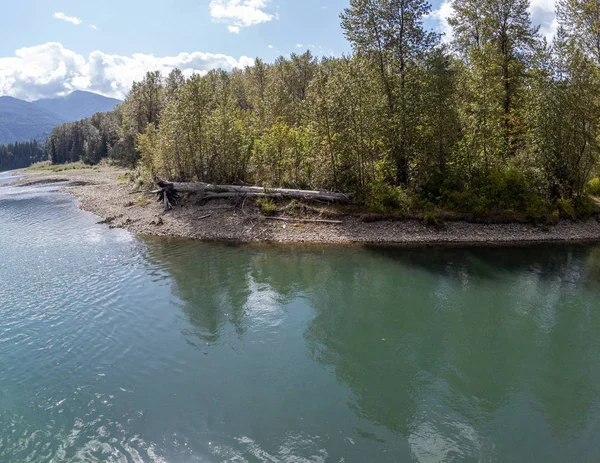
<point>49,70</point>
<point>442,14</point>
<point>545,5</point>
<point>240,13</point>
<point>543,12</point>
<point>71,19</point>
<point>94,27</point>
<point>549,30</point>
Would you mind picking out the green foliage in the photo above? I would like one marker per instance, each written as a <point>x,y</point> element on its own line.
<point>567,208</point>
<point>19,155</point>
<point>593,187</point>
<point>137,177</point>
<point>579,19</point>
<point>391,37</point>
<point>47,167</point>
<point>282,157</point>
<point>89,140</point>
<point>540,212</point>
<point>498,123</point>
<point>577,208</point>
<point>267,206</point>
<point>432,219</point>
<point>386,198</point>
<point>584,207</point>
<point>505,190</point>
<point>502,191</point>
<point>382,196</point>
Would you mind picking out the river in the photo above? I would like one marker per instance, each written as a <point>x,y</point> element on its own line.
<point>120,348</point>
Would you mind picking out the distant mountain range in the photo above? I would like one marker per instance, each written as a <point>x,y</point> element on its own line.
<point>78,105</point>
<point>23,121</point>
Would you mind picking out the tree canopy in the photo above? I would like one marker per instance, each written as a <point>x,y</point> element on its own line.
<point>496,121</point>
<point>20,155</point>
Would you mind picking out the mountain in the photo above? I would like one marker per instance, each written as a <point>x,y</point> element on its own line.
<point>23,121</point>
<point>77,105</point>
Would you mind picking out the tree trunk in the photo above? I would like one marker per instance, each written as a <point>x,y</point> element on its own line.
<point>209,191</point>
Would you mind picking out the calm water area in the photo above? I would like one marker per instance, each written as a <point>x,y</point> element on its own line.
<point>122,348</point>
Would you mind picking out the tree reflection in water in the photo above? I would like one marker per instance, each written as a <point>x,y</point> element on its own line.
<point>458,351</point>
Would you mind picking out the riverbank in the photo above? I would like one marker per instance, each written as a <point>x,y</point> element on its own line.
<point>107,193</point>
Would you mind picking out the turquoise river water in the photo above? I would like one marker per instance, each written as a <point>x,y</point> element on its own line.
<point>118,348</point>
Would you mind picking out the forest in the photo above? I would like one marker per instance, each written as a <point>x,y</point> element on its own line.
<point>498,121</point>
<point>19,155</point>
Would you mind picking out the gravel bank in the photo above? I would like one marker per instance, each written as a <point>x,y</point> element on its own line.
<point>105,194</point>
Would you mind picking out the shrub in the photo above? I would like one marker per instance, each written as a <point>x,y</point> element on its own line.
<point>584,207</point>
<point>267,206</point>
<point>432,219</point>
<point>387,198</point>
<point>460,201</point>
<point>580,207</point>
<point>542,214</point>
<point>505,190</point>
<point>566,209</point>
<point>539,212</point>
<point>593,187</point>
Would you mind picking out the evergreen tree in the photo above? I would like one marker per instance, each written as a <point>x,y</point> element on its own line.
<point>20,155</point>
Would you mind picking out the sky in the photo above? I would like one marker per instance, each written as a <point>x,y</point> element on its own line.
<point>50,48</point>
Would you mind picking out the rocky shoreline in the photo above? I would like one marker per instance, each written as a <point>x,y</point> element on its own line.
<point>106,193</point>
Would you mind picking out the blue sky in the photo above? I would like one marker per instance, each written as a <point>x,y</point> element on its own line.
<point>52,47</point>
<point>127,27</point>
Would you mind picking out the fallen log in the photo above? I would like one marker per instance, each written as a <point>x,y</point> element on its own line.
<point>210,191</point>
<point>286,219</point>
<point>237,195</point>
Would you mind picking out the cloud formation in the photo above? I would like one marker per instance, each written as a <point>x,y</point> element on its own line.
<point>238,14</point>
<point>543,12</point>
<point>71,19</point>
<point>50,70</point>
<point>442,14</point>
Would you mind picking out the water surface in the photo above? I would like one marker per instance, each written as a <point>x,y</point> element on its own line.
<point>128,349</point>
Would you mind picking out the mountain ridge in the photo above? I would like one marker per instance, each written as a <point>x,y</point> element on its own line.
<point>77,105</point>
<point>22,121</point>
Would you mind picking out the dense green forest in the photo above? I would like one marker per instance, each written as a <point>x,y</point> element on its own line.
<point>19,155</point>
<point>497,121</point>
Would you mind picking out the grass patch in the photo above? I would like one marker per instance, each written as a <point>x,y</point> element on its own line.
<point>47,167</point>
<point>142,201</point>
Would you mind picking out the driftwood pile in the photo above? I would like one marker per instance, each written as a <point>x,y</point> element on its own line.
<point>168,193</point>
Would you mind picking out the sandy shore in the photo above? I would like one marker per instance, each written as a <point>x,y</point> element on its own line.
<point>107,194</point>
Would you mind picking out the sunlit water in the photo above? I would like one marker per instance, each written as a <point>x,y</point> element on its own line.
<point>123,349</point>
